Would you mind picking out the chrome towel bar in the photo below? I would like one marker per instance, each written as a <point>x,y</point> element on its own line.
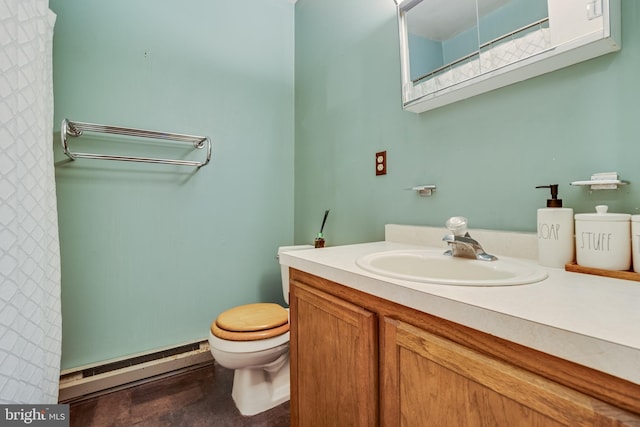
<point>69,128</point>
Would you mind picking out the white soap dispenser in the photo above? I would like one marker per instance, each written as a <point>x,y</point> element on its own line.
<point>555,232</point>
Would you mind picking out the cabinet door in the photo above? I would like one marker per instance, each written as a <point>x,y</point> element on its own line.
<point>334,363</point>
<point>432,381</point>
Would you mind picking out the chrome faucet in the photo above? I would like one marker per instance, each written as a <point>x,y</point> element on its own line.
<point>461,244</point>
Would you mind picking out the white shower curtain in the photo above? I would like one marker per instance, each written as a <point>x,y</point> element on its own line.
<point>30,319</point>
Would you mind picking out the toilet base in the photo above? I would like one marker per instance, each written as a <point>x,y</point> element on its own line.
<point>256,390</point>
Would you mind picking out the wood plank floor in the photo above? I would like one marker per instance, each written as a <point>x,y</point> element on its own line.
<point>201,397</point>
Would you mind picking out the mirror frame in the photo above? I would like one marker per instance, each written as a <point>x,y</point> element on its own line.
<point>587,46</point>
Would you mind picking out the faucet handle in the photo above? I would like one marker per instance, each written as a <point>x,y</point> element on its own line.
<point>457,225</point>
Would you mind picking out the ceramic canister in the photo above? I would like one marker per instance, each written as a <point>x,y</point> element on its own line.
<point>635,242</point>
<point>603,240</point>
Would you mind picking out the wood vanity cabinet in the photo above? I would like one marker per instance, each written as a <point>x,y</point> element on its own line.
<point>359,360</point>
<point>335,367</point>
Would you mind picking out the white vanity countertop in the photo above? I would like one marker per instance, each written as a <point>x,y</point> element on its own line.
<point>590,320</point>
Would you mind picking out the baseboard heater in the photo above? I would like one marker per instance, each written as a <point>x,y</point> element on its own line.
<point>88,381</point>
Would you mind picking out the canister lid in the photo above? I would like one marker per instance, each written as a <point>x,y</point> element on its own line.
<point>602,215</point>
<point>635,218</point>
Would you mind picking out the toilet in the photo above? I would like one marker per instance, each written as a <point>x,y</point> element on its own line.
<point>253,340</point>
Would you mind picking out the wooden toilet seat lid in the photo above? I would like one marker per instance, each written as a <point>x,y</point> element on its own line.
<point>251,322</point>
<point>248,336</point>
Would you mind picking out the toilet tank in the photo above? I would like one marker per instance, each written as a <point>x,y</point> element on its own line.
<point>284,270</point>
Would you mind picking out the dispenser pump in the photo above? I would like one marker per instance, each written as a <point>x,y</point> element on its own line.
<point>553,202</point>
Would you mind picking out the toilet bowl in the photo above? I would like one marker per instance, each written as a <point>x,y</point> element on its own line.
<point>253,340</point>
<point>261,376</point>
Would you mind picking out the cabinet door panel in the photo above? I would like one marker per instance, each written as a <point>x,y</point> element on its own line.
<point>333,360</point>
<point>438,382</point>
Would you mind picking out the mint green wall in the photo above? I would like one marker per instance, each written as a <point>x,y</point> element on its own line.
<point>150,253</point>
<point>486,154</point>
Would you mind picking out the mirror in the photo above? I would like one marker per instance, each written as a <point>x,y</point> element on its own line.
<point>441,36</point>
<point>454,49</point>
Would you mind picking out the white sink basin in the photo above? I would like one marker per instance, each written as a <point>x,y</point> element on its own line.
<point>431,266</point>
